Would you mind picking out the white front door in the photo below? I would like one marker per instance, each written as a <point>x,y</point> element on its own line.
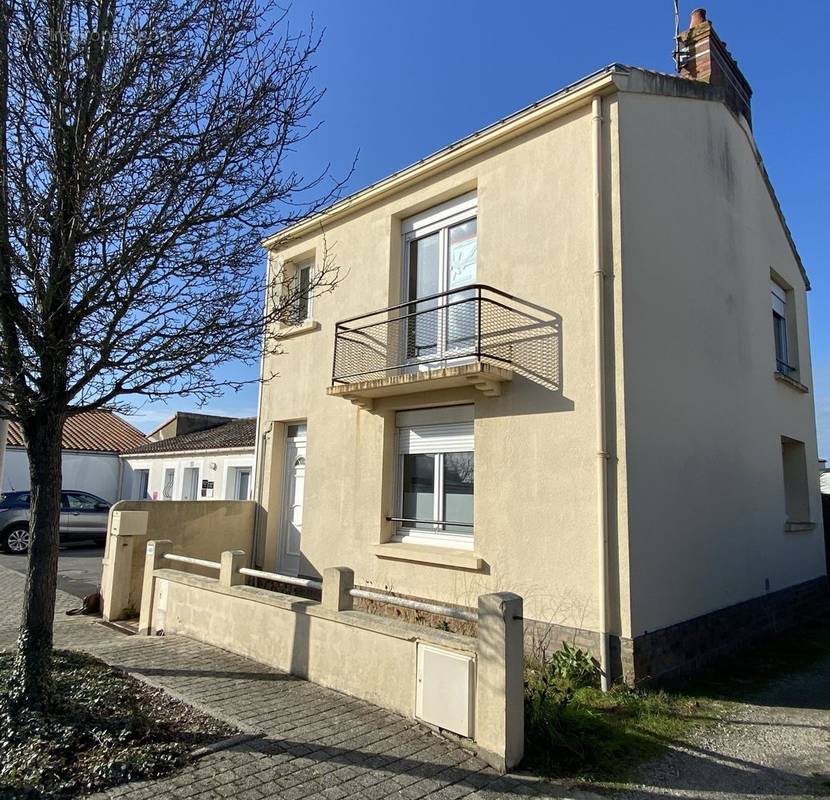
<point>291,525</point>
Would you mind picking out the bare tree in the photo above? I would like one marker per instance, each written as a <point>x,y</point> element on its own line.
<point>143,149</point>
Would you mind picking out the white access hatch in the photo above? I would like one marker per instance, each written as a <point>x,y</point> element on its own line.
<point>445,689</point>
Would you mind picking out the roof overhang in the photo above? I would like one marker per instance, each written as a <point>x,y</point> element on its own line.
<point>179,453</point>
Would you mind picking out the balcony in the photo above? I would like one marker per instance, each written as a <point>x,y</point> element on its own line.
<point>474,335</point>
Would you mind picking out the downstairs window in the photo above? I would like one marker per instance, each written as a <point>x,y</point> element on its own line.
<point>435,476</point>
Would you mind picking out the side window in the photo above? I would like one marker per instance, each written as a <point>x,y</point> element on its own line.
<point>783,329</point>
<point>299,282</point>
<point>796,484</point>
<point>169,481</point>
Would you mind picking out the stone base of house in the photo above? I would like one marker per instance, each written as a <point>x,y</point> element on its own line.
<point>688,646</point>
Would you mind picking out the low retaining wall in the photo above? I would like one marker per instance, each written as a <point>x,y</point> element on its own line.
<point>330,643</point>
<point>195,528</point>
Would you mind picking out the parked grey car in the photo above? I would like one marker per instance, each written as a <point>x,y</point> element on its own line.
<point>83,517</point>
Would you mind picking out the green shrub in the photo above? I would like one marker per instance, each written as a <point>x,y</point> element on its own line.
<point>572,729</point>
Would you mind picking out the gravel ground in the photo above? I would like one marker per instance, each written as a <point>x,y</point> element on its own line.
<point>776,745</point>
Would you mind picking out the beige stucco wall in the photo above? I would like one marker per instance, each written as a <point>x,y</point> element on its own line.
<point>198,530</point>
<point>695,416</point>
<point>535,492</point>
<point>704,413</point>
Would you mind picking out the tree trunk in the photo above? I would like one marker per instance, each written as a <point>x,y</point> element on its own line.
<point>30,681</point>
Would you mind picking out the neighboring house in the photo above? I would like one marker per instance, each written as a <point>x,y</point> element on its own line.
<point>92,442</point>
<point>193,457</point>
<point>576,366</point>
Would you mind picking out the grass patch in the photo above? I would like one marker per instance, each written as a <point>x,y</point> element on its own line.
<point>103,728</point>
<point>574,731</point>
<point>600,736</point>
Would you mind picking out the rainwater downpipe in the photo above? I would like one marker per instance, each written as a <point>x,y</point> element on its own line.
<point>260,435</point>
<point>599,382</point>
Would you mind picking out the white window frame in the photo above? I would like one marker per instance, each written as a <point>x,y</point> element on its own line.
<point>434,431</point>
<point>164,470</point>
<point>199,466</point>
<point>306,265</point>
<point>782,298</point>
<point>145,468</point>
<point>438,219</point>
<point>232,465</point>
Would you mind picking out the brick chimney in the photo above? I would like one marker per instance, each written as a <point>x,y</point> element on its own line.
<point>704,57</point>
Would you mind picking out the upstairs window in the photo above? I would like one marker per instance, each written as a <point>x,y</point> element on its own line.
<point>440,248</point>
<point>436,470</point>
<point>299,292</point>
<point>785,361</point>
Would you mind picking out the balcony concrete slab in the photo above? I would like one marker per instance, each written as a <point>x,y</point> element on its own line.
<point>487,378</point>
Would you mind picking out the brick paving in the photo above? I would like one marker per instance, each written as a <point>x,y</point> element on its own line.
<point>305,741</point>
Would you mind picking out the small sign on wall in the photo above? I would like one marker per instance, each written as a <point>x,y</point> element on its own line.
<point>207,488</point>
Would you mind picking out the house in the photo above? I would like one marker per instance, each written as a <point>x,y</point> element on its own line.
<point>91,443</point>
<point>570,360</point>
<point>193,457</point>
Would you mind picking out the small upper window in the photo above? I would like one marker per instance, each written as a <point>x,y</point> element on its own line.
<point>300,289</point>
<point>785,361</point>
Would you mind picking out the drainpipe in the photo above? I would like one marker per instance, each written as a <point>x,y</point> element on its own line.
<point>599,382</point>
<point>259,435</point>
<point>120,491</point>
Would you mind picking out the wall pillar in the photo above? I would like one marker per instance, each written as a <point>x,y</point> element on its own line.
<point>337,583</point>
<point>152,559</point>
<point>126,531</point>
<point>231,561</point>
<point>499,726</point>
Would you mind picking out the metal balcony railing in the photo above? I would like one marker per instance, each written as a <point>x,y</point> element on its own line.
<point>474,323</point>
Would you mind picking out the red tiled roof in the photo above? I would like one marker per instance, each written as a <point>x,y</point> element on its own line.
<point>94,431</point>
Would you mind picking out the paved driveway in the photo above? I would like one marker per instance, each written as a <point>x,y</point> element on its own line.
<point>79,567</point>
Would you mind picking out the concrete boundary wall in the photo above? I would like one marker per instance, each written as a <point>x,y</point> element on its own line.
<point>192,528</point>
<point>363,655</point>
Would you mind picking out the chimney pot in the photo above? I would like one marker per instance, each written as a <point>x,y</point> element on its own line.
<point>706,59</point>
<point>698,16</point>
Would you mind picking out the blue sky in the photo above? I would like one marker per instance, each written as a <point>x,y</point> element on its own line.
<point>404,79</point>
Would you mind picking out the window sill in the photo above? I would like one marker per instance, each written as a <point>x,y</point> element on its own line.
<point>799,527</point>
<point>428,554</point>
<point>797,385</point>
<point>289,331</point>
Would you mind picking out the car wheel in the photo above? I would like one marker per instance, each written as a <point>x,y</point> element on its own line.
<point>16,539</point>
